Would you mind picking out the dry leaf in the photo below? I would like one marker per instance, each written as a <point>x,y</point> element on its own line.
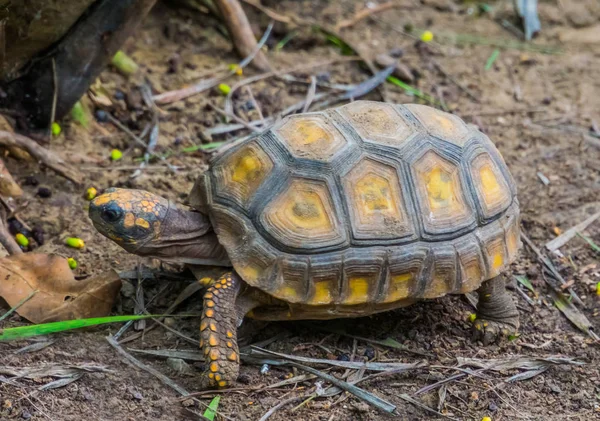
<point>8,186</point>
<point>59,295</point>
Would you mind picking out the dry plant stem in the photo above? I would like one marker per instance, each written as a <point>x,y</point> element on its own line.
<point>7,240</point>
<point>241,32</point>
<point>45,156</point>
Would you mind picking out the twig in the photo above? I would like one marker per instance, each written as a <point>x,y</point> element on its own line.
<point>254,103</point>
<point>8,241</point>
<point>310,94</point>
<point>164,379</point>
<point>135,137</point>
<point>566,236</point>
<point>19,304</point>
<point>203,85</point>
<point>234,117</point>
<point>280,405</point>
<point>366,12</point>
<point>240,31</point>
<point>47,157</point>
<point>408,399</point>
<point>548,263</point>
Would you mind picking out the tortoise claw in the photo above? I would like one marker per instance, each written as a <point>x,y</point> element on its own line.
<point>491,331</point>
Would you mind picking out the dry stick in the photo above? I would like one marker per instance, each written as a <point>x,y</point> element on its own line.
<point>240,31</point>
<point>254,103</point>
<point>203,85</point>
<point>310,94</point>
<point>365,13</point>
<point>164,379</point>
<point>566,236</point>
<point>256,78</point>
<point>45,156</point>
<point>408,399</point>
<point>548,263</point>
<point>234,117</point>
<point>120,125</point>
<point>280,405</point>
<point>8,241</point>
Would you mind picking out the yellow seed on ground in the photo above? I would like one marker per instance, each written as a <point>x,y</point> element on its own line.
<point>224,88</point>
<point>76,243</point>
<point>72,263</point>
<point>472,317</point>
<point>56,129</point>
<point>598,289</point>
<point>91,193</point>
<point>427,36</point>
<point>486,419</point>
<point>22,240</point>
<point>116,154</point>
<point>238,70</point>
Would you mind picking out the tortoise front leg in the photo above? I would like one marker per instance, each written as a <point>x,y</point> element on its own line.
<point>218,331</point>
<point>497,314</point>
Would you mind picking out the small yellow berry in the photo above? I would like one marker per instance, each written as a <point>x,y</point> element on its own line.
<point>427,36</point>
<point>472,317</point>
<point>22,240</point>
<point>598,289</point>
<point>224,88</point>
<point>76,243</point>
<point>56,129</point>
<point>116,154</point>
<point>486,419</point>
<point>90,193</point>
<point>238,70</point>
<point>72,263</point>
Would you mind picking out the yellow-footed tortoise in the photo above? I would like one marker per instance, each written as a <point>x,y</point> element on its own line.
<point>342,213</point>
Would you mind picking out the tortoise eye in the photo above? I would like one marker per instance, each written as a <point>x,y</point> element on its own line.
<point>111,214</point>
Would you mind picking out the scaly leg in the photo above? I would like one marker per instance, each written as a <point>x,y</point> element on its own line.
<point>497,314</point>
<point>218,331</point>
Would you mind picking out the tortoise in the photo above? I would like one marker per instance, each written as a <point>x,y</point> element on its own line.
<point>346,212</point>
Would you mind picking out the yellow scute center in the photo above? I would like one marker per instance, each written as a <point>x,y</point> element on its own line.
<point>247,168</point>
<point>374,193</point>
<point>306,210</point>
<point>498,260</point>
<point>439,188</point>
<point>399,287</point>
<point>310,132</point>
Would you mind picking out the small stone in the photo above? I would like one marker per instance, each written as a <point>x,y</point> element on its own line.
<point>119,95</point>
<point>170,322</point>
<point>492,406</point>
<point>101,116</point>
<point>26,414</point>
<point>178,365</point>
<point>37,233</point>
<point>244,379</point>
<point>343,357</point>
<point>369,353</point>
<point>44,192</point>
<point>188,402</point>
<point>127,289</point>
<point>135,394</point>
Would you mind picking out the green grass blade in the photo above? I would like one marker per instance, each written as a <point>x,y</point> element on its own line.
<point>525,282</point>
<point>411,90</point>
<point>492,59</point>
<point>588,240</point>
<point>211,411</point>
<point>22,332</point>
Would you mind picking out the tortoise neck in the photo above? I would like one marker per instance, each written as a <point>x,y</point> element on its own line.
<point>186,237</point>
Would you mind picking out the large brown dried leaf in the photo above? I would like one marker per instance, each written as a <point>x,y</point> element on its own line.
<point>59,296</point>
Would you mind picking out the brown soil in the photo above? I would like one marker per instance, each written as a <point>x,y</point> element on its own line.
<point>536,108</point>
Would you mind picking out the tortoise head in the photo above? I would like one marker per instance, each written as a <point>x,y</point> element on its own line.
<point>131,218</point>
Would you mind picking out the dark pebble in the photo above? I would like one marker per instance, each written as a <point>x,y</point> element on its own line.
<point>101,116</point>
<point>119,95</point>
<point>244,379</point>
<point>323,77</point>
<point>31,180</point>
<point>343,357</point>
<point>396,52</point>
<point>25,414</point>
<point>178,141</point>
<point>492,406</point>
<point>369,353</point>
<point>37,233</point>
<point>44,192</point>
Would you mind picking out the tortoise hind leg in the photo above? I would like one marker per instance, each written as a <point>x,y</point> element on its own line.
<point>497,314</point>
<point>218,331</point>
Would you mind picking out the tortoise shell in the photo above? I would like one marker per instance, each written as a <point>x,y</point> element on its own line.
<point>366,204</point>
